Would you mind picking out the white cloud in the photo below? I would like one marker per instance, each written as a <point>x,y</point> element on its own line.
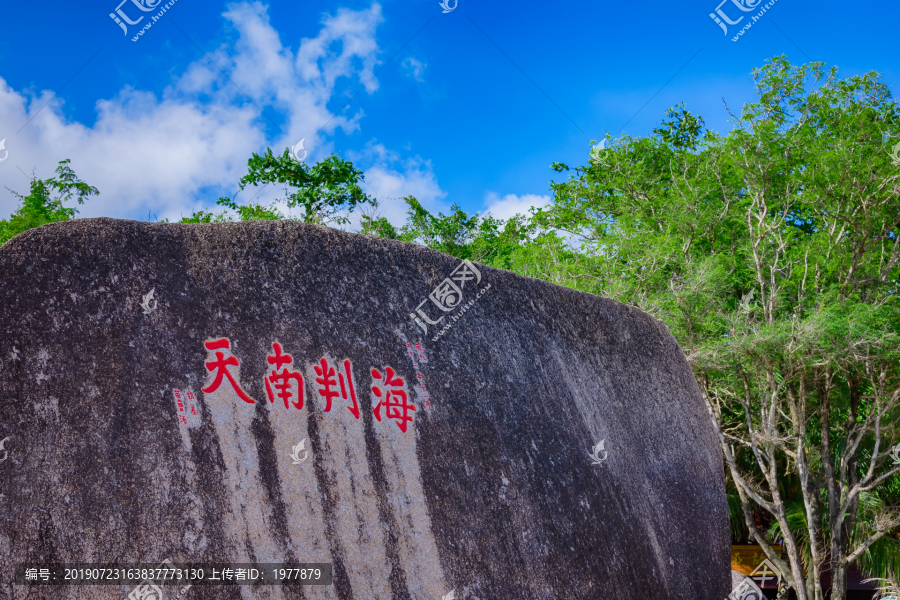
<point>414,67</point>
<point>355,30</point>
<point>510,205</point>
<point>389,178</point>
<point>168,153</point>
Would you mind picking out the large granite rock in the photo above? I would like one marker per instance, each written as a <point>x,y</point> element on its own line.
<point>497,489</point>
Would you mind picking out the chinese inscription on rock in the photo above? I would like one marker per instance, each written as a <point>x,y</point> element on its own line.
<point>332,381</point>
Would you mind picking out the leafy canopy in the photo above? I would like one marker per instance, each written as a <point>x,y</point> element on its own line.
<point>46,202</point>
<point>772,252</point>
<point>324,191</point>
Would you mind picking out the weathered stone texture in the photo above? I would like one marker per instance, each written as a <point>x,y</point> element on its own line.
<point>490,492</point>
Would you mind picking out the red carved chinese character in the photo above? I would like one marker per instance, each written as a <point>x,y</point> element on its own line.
<point>326,379</point>
<point>392,397</point>
<point>220,366</point>
<point>347,369</point>
<point>282,381</point>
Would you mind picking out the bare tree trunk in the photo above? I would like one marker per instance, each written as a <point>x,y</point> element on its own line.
<point>834,491</point>
<point>809,486</point>
<point>838,580</point>
<point>814,512</point>
<point>792,571</point>
<point>840,532</point>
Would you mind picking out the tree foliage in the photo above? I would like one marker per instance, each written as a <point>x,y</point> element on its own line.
<point>324,191</point>
<point>46,202</point>
<point>481,238</point>
<point>772,252</point>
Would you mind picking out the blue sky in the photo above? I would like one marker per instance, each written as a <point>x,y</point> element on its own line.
<point>467,107</point>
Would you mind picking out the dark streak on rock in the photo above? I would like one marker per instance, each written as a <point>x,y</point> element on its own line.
<point>210,474</point>
<point>397,577</point>
<point>268,473</point>
<point>328,489</point>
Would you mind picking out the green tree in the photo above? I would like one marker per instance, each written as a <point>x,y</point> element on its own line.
<point>773,255</point>
<point>204,216</point>
<point>484,239</point>
<point>324,191</point>
<point>46,202</point>
<point>378,226</point>
<point>451,233</point>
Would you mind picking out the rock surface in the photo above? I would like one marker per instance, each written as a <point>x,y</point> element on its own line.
<point>497,489</point>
